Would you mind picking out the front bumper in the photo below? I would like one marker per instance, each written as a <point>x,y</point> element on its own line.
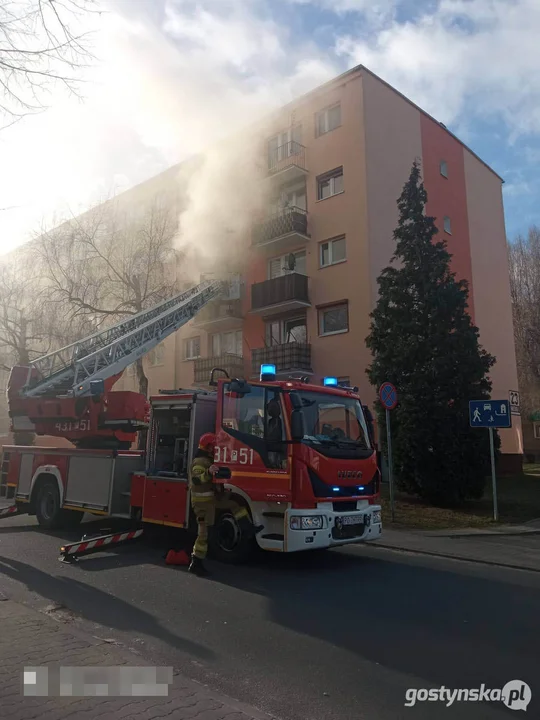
<point>338,528</point>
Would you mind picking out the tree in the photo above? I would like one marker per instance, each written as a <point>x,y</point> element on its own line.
<point>423,340</point>
<point>524,262</point>
<point>109,264</point>
<point>39,48</point>
<point>29,325</point>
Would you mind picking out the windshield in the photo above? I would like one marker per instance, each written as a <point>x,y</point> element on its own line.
<point>330,419</point>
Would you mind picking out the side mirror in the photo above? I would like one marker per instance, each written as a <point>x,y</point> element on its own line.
<point>298,429</point>
<point>240,387</point>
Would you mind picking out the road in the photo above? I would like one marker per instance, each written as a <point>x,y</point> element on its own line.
<point>308,637</point>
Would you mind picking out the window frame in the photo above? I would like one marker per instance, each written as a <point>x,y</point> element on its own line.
<point>447,225</point>
<point>238,334</point>
<point>320,313</point>
<point>282,334</point>
<point>331,175</point>
<point>187,344</point>
<point>325,112</point>
<point>282,258</point>
<point>330,242</point>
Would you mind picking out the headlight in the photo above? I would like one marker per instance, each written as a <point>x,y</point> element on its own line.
<point>376,516</point>
<point>311,522</point>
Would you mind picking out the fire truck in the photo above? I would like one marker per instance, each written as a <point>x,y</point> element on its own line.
<point>298,455</point>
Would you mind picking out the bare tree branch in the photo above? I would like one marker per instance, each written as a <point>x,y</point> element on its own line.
<point>39,48</point>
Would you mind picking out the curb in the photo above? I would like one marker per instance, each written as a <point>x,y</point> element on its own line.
<point>461,558</point>
<point>489,533</point>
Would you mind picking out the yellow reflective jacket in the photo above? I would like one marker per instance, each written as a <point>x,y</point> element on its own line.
<point>200,479</point>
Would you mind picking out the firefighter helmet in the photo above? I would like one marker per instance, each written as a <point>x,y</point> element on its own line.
<point>207,442</point>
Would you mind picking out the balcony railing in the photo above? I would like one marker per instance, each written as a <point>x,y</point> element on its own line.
<point>291,220</point>
<point>232,364</point>
<point>291,288</point>
<point>286,357</point>
<point>219,310</point>
<point>290,155</point>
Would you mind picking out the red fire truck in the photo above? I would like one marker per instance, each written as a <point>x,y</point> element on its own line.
<point>299,456</point>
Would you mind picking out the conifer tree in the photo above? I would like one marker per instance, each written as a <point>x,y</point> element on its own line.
<point>423,340</point>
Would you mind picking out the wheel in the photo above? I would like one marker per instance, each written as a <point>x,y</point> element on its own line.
<point>48,508</point>
<point>49,512</point>
<point>227,543</point>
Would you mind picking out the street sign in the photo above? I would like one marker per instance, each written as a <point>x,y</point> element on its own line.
<point>514,402</point>
<point>490,414</point>
<point>388,396</point>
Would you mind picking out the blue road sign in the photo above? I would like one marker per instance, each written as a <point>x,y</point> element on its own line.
<point>490,413</point>
<point>388,396</point>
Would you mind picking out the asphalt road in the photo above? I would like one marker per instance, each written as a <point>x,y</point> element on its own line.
<point>308,637</point>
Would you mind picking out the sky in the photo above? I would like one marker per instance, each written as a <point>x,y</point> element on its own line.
<point>173,76</point>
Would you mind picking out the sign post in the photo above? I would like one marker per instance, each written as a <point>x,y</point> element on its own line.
<point>388,398</point>
<point>491,414</point>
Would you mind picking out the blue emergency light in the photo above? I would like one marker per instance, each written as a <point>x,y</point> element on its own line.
<point>330,382</point>
<point>268,372</point>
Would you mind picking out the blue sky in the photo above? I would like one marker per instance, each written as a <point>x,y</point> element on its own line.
<point>175,75</point>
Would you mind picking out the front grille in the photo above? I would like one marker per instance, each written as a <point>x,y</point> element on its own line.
<point>347,532</point>
<point>345,506</point>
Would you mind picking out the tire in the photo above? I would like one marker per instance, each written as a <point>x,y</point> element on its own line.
<point>49,513</point>
<point>226,541</point>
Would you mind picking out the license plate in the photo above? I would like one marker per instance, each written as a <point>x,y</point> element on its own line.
<point>351,520</point>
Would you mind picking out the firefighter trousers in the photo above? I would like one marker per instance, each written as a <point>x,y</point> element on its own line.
<point>205,512</point>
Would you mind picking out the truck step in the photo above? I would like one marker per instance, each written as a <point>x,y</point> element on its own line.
<point>273,536</point>
<point>274,514</point>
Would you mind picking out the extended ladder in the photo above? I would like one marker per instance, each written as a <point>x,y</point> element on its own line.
<point>70,371</point>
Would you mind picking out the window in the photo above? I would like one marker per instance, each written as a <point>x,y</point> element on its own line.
<point>227,343</point>
<point>536,427</point>
<point>331,419</point>
<point>332,251</point>
<point>256,420</point>
<point>328,119</point>
<point>444,168</point>
<point>330,184</point>
<point>283,145</point>
<point>282,265</point>
<point>293,196</point>
<point>447,226</point>
<point>280,332</point>
<point>192,348</point>
<point>334,319</point>
<point>155,356</point>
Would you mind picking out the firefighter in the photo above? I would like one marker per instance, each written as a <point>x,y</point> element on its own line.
<point>206,498</point>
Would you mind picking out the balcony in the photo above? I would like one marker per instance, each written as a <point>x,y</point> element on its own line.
<point>279,295</point>
<point>220,315</point>
<point>232,364</point>
<point>288,358</point>
<point>281,231</point>
<point>287,163</point>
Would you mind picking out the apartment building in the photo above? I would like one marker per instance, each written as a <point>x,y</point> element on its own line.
<point>334,163</point>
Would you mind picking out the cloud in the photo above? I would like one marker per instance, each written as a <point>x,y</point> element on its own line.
<point>173,78</point>
<point>476,58</point>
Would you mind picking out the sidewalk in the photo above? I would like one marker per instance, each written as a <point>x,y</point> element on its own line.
<point>30,638</point>
<point>513,547</point>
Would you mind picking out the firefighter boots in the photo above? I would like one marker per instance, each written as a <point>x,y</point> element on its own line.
<point>198,568</point>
